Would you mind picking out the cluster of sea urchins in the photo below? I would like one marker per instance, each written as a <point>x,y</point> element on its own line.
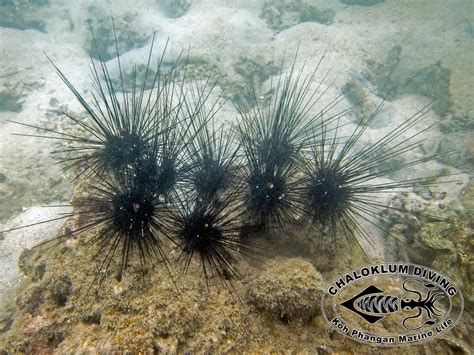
<point>157,165</point>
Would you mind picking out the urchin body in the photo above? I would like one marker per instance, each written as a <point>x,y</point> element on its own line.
<point>202,235</point>
<point>328,198</point>
<point>132,213</point>
<point>121,151</point>
<point>267,196</point>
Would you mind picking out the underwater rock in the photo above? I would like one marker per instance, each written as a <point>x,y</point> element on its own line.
<point>405,212</point>
<point>282,14</point>
<point>468,197</point>
<point>429,233</point>
<point>174,8</point>
<point>31,265</point>
<point>92,317</point>
<point>10,102</point>
<point>433,82</point>
<point>253,72</point>
<point>452,244</point>
<point>248,73</point>
<point>21,14</point>
<point>191,67</point>
<point>362,2</point>
<point>382,75</point>
<point>6,320</point>
<point>290,289</point>
<point>13,91</point>
<point>59,290</point>
<point>457,124</point>
<point>50,290</point>
<point>30,299</point>
<point>45,335</point>
<point>127,35</point>
<point>145,313</point>
<point>15,260</point>
<point>354,92</point>
<point>131,315</point>
<point>130,74</point>
<point>453,150</point>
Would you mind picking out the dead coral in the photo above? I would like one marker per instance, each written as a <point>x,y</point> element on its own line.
<point>289,289</point>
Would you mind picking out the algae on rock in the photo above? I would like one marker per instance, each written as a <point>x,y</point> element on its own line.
<point>131,315</point>
<point>433,82</point>
<point>444,236</point>
<point>22,15</point>
<point>104,45</point>
<point>453,245</point>
<point>289,289</point>
<point>175,8</point>
<point>10,102</point>
<point>382,75</point>
<point>282,14</point>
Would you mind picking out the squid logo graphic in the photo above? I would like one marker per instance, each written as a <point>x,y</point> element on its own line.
<point>373,305</point>
<point>415,303</point>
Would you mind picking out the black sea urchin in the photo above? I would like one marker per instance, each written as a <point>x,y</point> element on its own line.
<point>121,123</point>
<point>167,164</point>
<point>211,230</point>
<point>125,218</point>
<point>115,216</point>
<point>341,189</point>
<point>179,143</point>
<point>272,138</point>
<point>214,162</point>
<point>133,157</point>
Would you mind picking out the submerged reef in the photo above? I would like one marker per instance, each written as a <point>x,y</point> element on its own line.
<point>129,316</point>
<point>432,233</point>
<point>184,233</point>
